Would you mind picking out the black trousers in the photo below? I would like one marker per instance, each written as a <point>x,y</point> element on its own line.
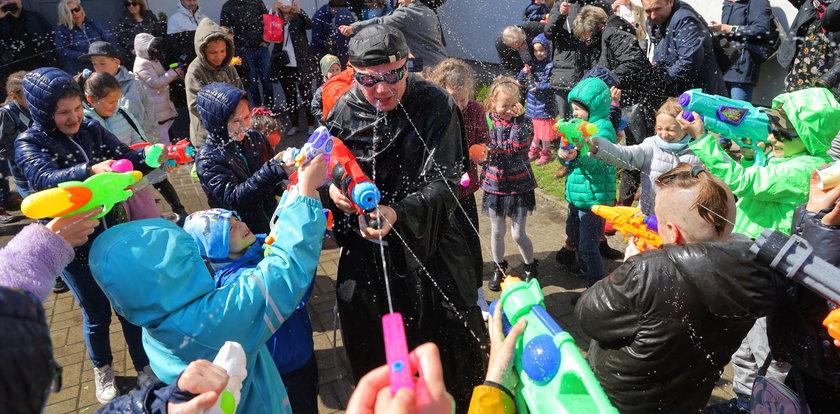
<point>294,86</point>
<point>302,387</point>
<point>169,194</point>
<point>361,297</point>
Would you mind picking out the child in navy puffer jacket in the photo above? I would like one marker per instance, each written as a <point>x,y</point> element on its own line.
<point>236,167</point>
<point>540,106</point>
<point>61,145</point>
<point>291,347</point>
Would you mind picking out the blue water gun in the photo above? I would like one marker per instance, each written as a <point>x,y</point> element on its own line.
<point>554,378</point>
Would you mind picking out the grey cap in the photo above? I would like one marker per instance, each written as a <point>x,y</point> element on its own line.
<point>101,48</point>
<point>377,45</point>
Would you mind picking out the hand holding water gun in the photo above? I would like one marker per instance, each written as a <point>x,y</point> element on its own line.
<point>374,392</point>
<point>631,222</point>
<point>552,375</point>
<point>179,153</point>
<point>573,133</point>
<point>155,154</point>
<point>73,197</point>
<point>352,190</point>
<point>313,164</point>
<point>203,379</point>
<point>729,118</point>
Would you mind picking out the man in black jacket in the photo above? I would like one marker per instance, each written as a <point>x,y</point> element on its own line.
<point>683,54</point>
<point>244,18</point>
<point>408,137</point>
<point>665,323</point>
<point>514,46</point>
<point>26,40</point>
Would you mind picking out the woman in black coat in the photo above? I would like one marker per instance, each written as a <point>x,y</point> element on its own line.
<point>136,18</point>
<point>293,64</point>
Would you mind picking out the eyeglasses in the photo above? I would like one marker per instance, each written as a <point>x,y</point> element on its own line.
<point>131,4</point>
<point>390,77</point>
<point>76,9</point>
<point>781,135</point>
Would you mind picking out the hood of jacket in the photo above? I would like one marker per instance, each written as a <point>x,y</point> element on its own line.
<point>815,115</point>
<point>211,230</point>
<point>142,43</point>
<point>42,88</point>
<point>595,94</point>
<point>215,103</point>
<point>124,75</point>
<point>208,31</point>
<point>186,11</point>
<point>168,269</point>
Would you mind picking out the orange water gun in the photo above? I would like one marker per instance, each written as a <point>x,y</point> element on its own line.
<point>631,222</point>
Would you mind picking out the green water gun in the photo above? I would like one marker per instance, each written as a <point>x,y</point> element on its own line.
<point>73,197</point>
<point>553,376</point>
<point>574,132</point>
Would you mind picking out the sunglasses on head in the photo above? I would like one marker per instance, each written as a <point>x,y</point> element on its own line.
<point>131,4</point>
<point>76,9</point>
<point>390,77</point>
<point>781,135</point>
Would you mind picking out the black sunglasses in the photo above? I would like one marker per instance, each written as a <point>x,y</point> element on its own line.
<point>781,135</point>
<point>390,77</point>
<point>76,9</point>
<point>131,3</point>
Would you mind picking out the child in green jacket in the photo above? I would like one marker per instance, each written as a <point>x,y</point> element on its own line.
<point>590,181</point>
<point>802,126</point>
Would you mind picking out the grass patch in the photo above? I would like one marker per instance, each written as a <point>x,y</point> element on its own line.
<point>546,181</point>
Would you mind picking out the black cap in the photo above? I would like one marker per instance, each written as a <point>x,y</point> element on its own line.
<point>377,45</point>
<point>101,48</point>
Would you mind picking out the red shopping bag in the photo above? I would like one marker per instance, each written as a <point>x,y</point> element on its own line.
<point>273,28</point>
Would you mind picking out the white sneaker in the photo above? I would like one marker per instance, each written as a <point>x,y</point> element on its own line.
<point>106,387</point>
<point>311,130</point>
<point>483,305</point>
<point>292,131</point>
<point>146,377</point>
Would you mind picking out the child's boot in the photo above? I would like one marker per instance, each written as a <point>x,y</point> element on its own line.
<point>545,157</point>
<point>499,273</point>
<point>533,153</point>
<point>531,270</point>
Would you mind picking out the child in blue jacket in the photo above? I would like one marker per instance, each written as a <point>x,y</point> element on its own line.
<point>154,275</point>
<point>540,106</point>
<point>291,346</point>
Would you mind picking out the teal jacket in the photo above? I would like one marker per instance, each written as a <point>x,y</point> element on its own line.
<point>153,274</point>
<point>768,195</point>
<point>592,181</point>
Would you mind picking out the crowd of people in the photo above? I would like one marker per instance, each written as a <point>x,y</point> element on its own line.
<point>376,76</point>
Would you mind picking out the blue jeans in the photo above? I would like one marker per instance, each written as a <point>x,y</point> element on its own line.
<point>259,64</point>
<point>584,228</point>
<point>96,317</point>
<point>740,91</point>
<point>20,180</point>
